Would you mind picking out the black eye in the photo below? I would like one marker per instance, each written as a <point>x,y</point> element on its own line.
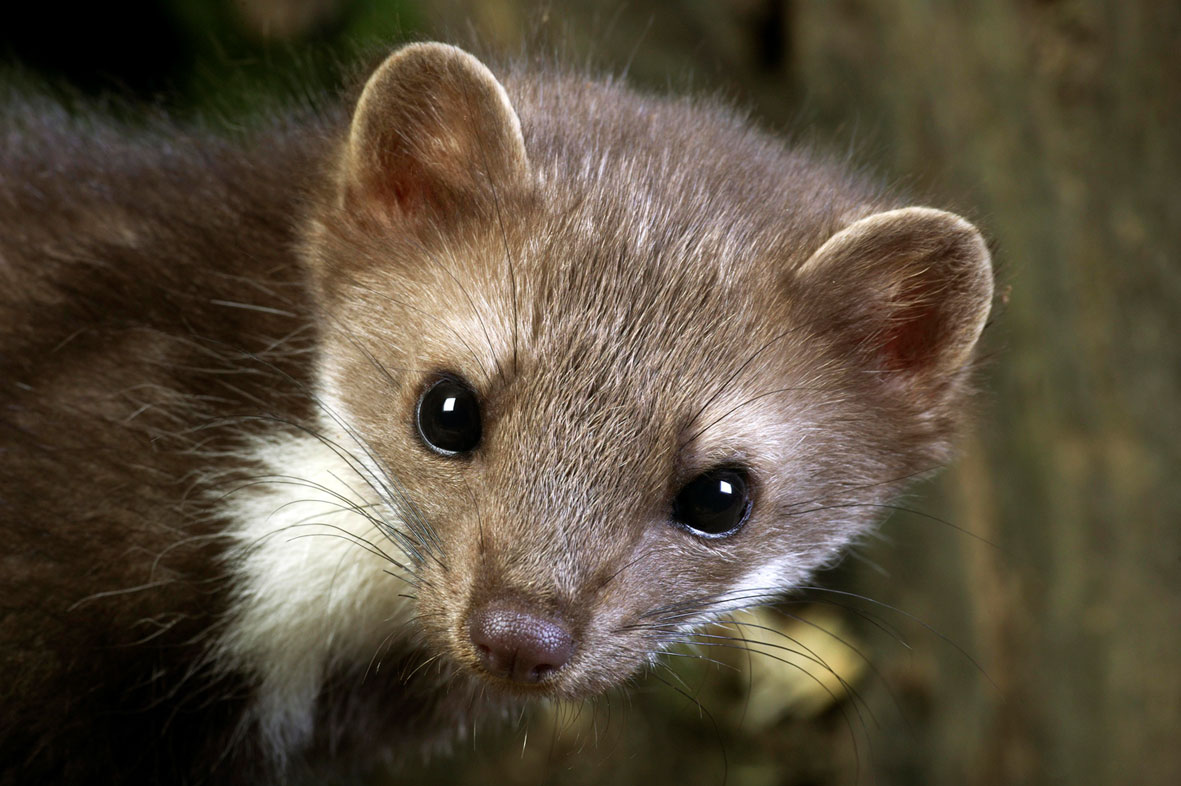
<point>449,417</point>
<point>715,503</point>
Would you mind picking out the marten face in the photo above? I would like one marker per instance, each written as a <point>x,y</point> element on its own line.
<point>601,368</point>
<point>618,394</point>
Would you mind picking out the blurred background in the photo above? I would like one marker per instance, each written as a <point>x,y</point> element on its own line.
<point>1020,621</point>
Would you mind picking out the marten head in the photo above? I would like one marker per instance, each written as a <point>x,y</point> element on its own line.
<point>616,364</point>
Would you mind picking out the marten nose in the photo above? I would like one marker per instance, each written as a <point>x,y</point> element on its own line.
<point>518,645</point>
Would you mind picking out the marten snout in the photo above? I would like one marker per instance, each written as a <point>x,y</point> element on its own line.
<point>519,645</point>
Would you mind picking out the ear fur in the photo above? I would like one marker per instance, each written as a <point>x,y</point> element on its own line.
<point>909,290</point>
<point>433,128</point>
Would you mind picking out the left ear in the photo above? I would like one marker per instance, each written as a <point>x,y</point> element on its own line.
<point>908,290</point>
<point>433,129</point>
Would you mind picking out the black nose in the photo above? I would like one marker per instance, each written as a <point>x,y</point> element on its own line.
<point>519,645</point>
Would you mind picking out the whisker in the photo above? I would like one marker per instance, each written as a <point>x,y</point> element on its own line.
<point>805,652</point>
<point>947,639</point>
<point>900,509</point>
<point>722,388</point>
<point>376,652</point>
<point>685,443</point>
<point>435,318</point>
<point>703,712</point>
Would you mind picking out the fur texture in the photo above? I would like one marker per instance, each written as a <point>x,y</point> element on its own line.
<point>231,557</point>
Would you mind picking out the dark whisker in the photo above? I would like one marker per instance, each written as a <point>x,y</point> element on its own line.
<point>722,388</point>
<point>702,711</point>
<point>435,318</point>
<point>899,509</point>
<point>736,407</point>
<point>804,652</point>
<point>913,618</point>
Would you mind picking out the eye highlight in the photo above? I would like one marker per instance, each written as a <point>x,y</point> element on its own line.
<point>448,417</point>
<point>715,503</point>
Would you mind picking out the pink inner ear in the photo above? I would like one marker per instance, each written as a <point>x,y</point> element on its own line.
<point>394,184</point>
<point>401,183</point>
<point>916,332</point>
<point>913,340</point>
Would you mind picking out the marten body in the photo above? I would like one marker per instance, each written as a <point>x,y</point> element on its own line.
<point>243,540</point>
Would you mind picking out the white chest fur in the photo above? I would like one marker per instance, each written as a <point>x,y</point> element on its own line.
<point>313,584</point>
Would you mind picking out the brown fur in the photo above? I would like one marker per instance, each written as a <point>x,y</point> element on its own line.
<point>639,289</point>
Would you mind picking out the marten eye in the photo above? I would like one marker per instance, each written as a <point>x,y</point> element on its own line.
<point>715,503</point>
<point>448,417</point>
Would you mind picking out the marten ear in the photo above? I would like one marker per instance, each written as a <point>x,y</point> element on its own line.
<point>908,291</point>
<point>432,130</point>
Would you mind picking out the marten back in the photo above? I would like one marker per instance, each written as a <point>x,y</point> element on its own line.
<point>507,382</point>
<point>149,293</point>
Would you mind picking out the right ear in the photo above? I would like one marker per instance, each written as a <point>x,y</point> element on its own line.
<point>908,292</point>
<point>433,129</point>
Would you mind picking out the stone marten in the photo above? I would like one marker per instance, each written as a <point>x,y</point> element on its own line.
<point>320,438</point>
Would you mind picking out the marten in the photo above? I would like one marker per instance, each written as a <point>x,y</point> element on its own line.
<point>321,439</point>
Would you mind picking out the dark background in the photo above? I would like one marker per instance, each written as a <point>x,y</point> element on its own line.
<point>1026,618</point>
